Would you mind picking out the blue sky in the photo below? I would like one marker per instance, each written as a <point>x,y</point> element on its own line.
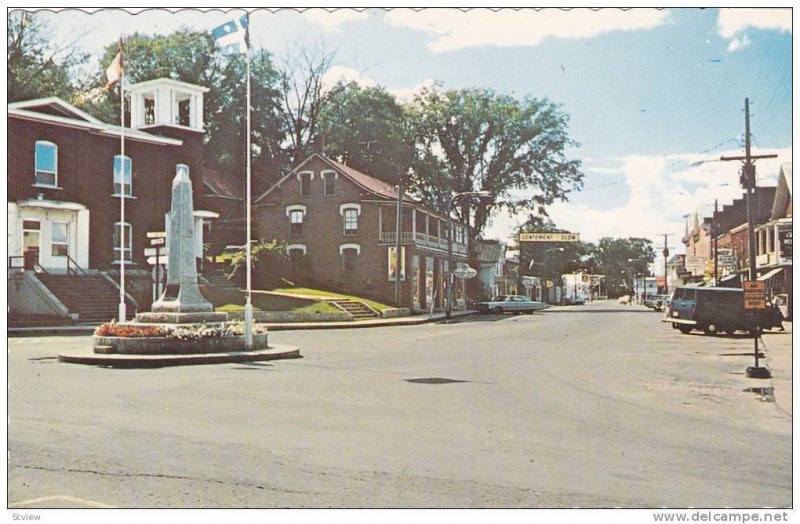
<point>649,92</point>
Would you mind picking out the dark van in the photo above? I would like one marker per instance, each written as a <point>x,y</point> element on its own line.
<point>717,309</point>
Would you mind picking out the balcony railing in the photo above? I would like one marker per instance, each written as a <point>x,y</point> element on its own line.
<point>422,240</point>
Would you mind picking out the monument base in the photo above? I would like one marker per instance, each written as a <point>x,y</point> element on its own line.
<point>169,317</point>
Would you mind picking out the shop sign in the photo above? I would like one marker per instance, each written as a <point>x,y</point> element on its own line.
<point>785,241</point>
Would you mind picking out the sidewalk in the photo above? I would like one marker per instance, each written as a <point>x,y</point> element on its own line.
<point>88,329</point>
<point>777,348</point>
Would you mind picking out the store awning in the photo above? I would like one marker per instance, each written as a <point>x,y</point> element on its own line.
<point>770,274</point>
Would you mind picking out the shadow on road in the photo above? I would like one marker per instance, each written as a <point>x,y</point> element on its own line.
<point>583,311</point>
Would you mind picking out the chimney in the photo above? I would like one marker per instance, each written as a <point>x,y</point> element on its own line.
<point>319,145</point>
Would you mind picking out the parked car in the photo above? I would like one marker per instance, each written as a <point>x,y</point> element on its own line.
<point>657,302</point>
<point>625,299</point>
<point>510,304</point>
<point>717,309</point>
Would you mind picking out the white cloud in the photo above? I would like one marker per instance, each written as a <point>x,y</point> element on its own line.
<point>734,21</point>
<point>737,43</point>
<point>404,95</point>
<point>662,190</point>
<point>456,29</point>
<point>331,19</point>
<point>338,74</point>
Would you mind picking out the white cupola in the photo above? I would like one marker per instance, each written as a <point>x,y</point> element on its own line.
<point>167,102</point>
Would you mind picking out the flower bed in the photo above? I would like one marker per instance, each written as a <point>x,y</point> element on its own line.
<point>142,339</point>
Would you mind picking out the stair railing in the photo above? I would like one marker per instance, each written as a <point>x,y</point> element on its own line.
<point>77,271</point>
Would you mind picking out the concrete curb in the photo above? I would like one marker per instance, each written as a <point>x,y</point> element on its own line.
<point>88,329</point>
<point>116,360</point>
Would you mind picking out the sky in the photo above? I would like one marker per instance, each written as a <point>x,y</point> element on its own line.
<point>655,97</point>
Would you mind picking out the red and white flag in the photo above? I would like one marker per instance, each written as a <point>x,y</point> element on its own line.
<point>114,71</point>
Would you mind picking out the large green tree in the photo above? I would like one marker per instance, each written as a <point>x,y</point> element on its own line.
<point>476,139</point>
<point>620,259</point>
<point>37,66</point>
<point>367,129</point>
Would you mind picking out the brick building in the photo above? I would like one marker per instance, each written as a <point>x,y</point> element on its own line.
<point>340,230</point>
<point>66,178</point>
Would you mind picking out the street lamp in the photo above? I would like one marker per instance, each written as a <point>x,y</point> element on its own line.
<point>455,198</point>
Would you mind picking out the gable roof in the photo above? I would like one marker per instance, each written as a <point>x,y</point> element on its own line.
<point>220,185</point>
<point>54,110</point>
<point>783,193</point>
<point>369,183</point>
<point>55,106</point>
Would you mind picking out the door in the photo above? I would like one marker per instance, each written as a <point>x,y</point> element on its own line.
<point>31,239</point>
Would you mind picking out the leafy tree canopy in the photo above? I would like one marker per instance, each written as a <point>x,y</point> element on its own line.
<point>475,139</point>
<point>37,66</point>
<point>366,129</point>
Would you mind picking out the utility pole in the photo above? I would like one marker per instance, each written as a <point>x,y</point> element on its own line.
<point>666,261</point>
<point>714,243</point>
<point>747,179</point>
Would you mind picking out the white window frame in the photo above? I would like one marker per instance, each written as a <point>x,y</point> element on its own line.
<point>296,247</point>
<point>293,213</point>
<point>54,243</point>
<point>353,213</point>
<point>125,250</point>
<point>36,169</point>
<point>129,175</point>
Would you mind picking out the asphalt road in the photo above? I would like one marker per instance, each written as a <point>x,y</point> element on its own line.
<point>590,406</point>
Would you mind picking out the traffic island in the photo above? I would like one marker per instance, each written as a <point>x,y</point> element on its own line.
<point>130,361</point>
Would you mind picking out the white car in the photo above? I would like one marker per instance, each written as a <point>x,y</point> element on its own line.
<point>510,304</point>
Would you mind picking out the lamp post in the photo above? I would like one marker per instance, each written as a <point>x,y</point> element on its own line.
<point>455,198</point>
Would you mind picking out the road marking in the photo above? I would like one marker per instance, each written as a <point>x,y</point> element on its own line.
<point>60,498</point>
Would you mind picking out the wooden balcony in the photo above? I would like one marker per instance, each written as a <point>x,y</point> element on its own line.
<point>421,240</point>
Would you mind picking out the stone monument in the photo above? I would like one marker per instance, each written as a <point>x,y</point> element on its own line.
<point>181,301</point>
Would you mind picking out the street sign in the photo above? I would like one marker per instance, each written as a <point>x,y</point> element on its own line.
<point>549,237</point>
<point>156,234</point>
<point>156,251</point>
<point>465,272</point>
<point>754,295</point>
<point>160,241</point>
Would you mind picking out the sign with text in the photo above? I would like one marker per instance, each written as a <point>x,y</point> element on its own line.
<point>156,234</point>
<point>754,294</point>
<point>549,237</point>
<point>162,241</point>
<point>695,264</point>
<point>785,240</point>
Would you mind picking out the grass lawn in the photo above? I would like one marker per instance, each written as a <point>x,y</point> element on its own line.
<point>317,307</point>
<point>327,294</point>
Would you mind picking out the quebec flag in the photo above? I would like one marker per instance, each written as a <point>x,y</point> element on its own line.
<point>232,37</point>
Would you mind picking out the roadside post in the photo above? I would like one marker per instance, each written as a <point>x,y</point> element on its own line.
<point>158,239</point>
<point>755,301</point>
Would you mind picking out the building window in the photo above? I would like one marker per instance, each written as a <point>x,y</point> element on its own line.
<point>120,251</point>
<point>123,176</point>
<point>149,110</point>
<point>350,221</point>
<point>296,222</point>
<point>46,160</point>
<point>305,184</point>
<point>349,256</point>
<point>330,183</point>
<point>59,241</point>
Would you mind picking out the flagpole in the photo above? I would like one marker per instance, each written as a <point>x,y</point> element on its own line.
<point>123,317</point>
<point>248,308</point>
